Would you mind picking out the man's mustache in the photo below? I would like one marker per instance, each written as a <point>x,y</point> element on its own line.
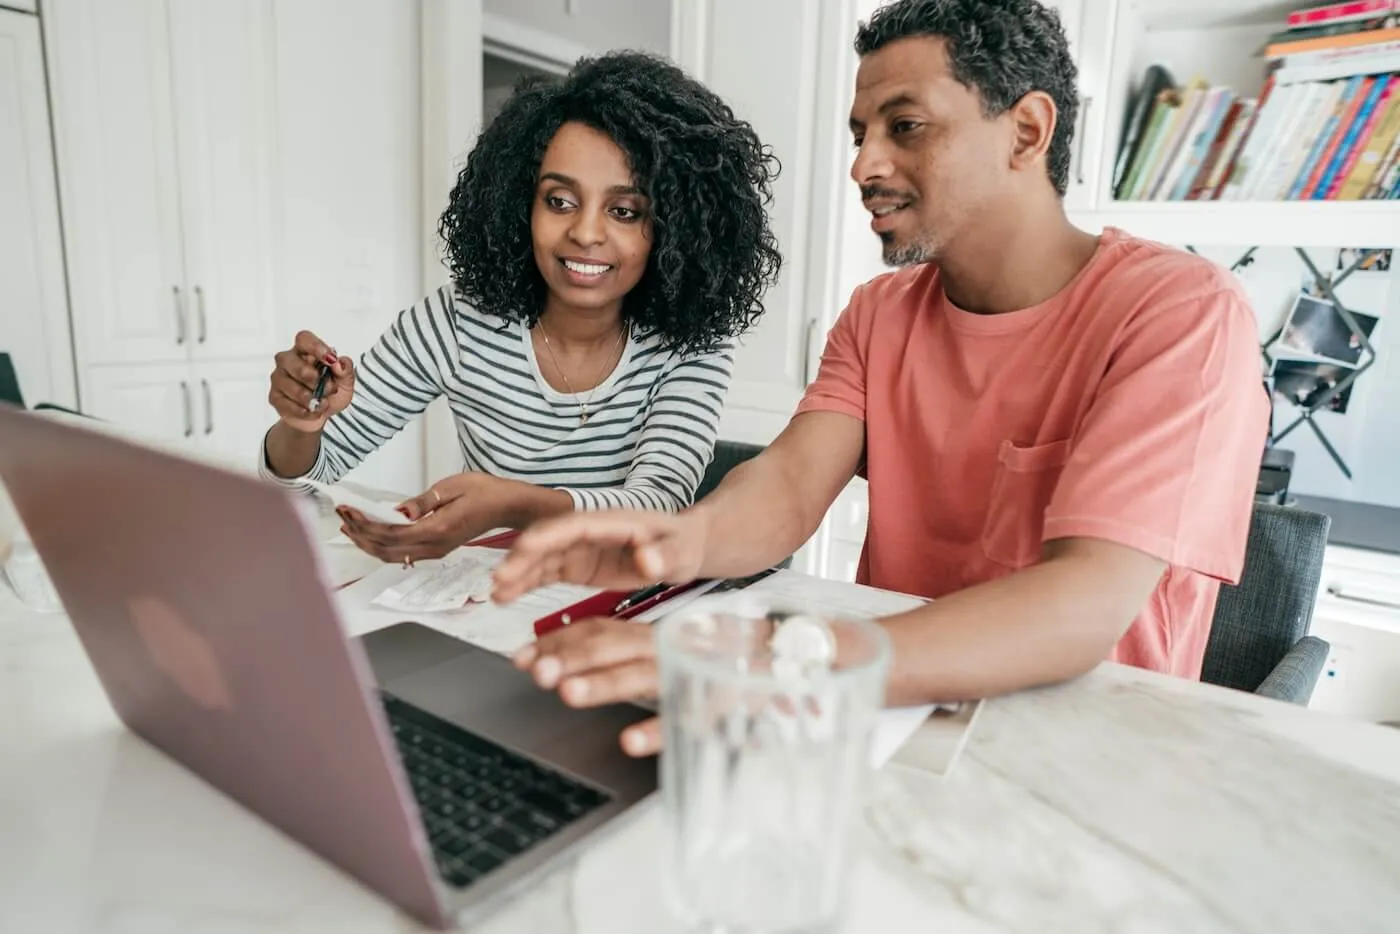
<point>869,192</point>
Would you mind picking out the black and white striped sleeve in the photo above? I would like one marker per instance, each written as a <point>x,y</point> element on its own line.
<point>395,380</point>
<point>677,439</point>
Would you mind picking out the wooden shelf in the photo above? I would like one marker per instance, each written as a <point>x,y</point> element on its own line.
<point>1243,223</point>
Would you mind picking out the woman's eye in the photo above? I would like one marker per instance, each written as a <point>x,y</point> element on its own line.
<point>557,203</point>
<point>626,214</point>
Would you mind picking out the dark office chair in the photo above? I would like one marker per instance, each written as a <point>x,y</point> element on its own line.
<point>1259,638</point>
<point>9,382</point>
<point>728,455</point>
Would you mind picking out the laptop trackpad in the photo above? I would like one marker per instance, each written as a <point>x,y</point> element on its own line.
<point>484,693</point>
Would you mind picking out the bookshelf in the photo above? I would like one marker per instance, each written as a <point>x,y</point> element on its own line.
<point>1218,41</point>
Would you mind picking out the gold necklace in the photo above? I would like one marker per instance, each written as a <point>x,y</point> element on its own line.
<point>583,405</point>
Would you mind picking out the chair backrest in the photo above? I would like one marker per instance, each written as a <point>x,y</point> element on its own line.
<point>9,381</point>
<point>1258,620</point>
<point>728,455</point>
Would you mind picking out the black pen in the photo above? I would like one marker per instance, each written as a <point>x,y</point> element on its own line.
<point>646,593</point>
<point>319,392</point>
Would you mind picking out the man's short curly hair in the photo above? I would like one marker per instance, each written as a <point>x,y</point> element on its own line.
<point>1002,49</point>
<point>707,174</point>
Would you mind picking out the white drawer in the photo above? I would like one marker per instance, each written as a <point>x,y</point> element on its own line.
<point>1361,588</point>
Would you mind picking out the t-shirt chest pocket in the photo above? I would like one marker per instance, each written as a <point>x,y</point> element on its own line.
<point>1022,486</point>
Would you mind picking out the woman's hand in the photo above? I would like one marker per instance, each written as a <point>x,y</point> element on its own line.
<point>451,513</point>
<point>294,379</point>
<point>600,661</point>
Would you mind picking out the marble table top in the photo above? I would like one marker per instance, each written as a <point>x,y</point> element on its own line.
<point>1121,802</point>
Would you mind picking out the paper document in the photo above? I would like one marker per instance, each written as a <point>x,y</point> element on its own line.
<point>462,577</point>
<point>343,496</point>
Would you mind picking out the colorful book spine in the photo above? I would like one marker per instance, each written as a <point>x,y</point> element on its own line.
<point>1340,12</point>
<point>1362,139</point>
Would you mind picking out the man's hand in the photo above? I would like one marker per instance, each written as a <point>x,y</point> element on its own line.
<point>613,549</point>
<point>600,661</point>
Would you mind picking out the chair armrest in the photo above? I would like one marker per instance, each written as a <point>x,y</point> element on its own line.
<point>1294,678</point>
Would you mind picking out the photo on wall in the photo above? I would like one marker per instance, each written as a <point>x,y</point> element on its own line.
<point>1365,260</point>
<point>1303,383</point>
<point>1316,330</point>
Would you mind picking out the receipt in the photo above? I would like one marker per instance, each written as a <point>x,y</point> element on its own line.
<point>457,580</point>
<point>372,508</point>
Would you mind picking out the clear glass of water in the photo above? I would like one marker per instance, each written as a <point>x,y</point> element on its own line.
<point>762,769</point>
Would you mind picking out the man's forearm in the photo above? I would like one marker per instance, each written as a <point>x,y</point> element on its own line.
<point>291,453</point>
<point>1047,623</point>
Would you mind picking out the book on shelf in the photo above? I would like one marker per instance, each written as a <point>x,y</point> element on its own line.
<point>1325,125</point>
<point>1347,11</point>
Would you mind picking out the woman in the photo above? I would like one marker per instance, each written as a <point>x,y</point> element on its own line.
<point>608,240</point>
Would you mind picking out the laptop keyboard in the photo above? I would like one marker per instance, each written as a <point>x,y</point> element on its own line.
<point>482,804</point>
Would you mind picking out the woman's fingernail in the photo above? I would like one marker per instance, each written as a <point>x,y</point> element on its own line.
<point>547,672</point>
<point>403,510</point>
<point>331,359</point>
<point>525,656</point>
<point>574,691</point>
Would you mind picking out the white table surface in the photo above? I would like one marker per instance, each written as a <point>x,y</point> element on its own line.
<point>1123,802</point>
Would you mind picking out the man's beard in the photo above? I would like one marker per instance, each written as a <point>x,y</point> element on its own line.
<point>906,254</point>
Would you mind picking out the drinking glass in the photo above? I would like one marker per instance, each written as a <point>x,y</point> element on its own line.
<point>762,765</point>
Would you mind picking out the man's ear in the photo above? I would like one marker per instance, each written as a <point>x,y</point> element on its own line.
<point>1034,117</point>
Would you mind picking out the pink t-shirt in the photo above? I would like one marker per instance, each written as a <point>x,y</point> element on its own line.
<point>1129,407</point>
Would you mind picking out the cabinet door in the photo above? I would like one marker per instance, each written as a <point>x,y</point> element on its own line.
<point>772,84</point>
<point>222,54</point>
<point>232,412</point>
<point>33,306</point>
<point>156,402</point>
<point>110,85</point>
<point>1089,28</point>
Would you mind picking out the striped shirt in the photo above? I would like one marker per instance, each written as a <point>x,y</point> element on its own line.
<point>648,439</point>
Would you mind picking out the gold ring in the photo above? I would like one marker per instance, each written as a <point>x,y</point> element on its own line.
<point>407,562</point>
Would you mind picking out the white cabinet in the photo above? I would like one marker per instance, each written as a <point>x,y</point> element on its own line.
<point>223,52</point>
<point>109,72</point>
<point>794,88</point>
<point>1089,28</point>
<point>164,114</point>
<point>33,305</point>
<point>221,408</point>
<point>233,171</point>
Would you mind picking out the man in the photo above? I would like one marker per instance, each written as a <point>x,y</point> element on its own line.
<point>1061,432</point>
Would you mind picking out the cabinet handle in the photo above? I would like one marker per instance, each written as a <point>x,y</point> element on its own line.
<point>1084,104</point>
<point>1337,591</point>
<point>199,310</point>
<point>189,408</point>
<point>179,317</point>
<point>807,352</point>
<point>208,408</point>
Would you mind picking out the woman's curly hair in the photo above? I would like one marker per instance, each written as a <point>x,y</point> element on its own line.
<point>707,174</point>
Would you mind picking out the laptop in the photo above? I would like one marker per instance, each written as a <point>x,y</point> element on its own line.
<point>429,769</point>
